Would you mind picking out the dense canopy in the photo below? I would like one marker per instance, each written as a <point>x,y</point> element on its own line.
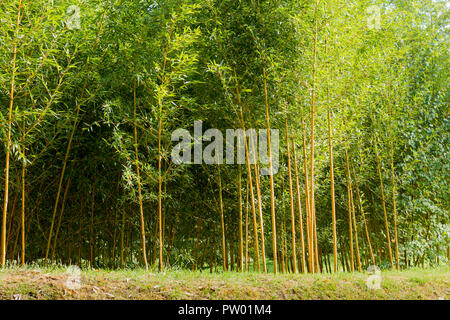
<point>91,92</point>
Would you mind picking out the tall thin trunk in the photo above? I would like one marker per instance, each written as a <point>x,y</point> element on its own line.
<point>313,102</point>
<point>8,139</point>
<point>160,127</point>
<point>291,198</point>
<point>283,266</point>
<point>355,228</point>
<point>394,205</point>
<point>92,236</point>
<point>160,228</point>
<point>80,243</point>
<point>307,201</point>
<point>222,222</point>
<point>23,205</point>
<point>365,223</point>
<point>154,249</point>
<point>113,254</point>
<point>261,220</point>
<point>122,238</point>
<point>386,224</point>
<point>11,223</point>
<point>196,245</point>
<point>272,188</point>
<point>316,243</point>
<point>297,184</point>
<point>246,228</point>
<point>127,243</point>
<point>249,172</point>
<point>141,207</point>
<point>394,202</point>
<point>333,201</point>
<point>255,226</point>
<point>241,244</point>
<point>59,220</point>
<point>349,207</point>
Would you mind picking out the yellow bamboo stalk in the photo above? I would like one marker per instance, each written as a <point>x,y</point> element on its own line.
<point>141,206</point>
<point>291,196</point>
<point>272,188</point>
<point>302,240</point>
<point>349,207</point>
<point>8,139</point>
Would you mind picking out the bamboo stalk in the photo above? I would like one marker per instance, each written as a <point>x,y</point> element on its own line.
<point>8,139</point>
<point>358,259</point>
<point>333,201</point>
<point>60,219</point>
<point>246,228</point>
<point>249,173</point>
<point>365,223</point>
<point>388,237</point>
<point>23,205</point>
<point>222,222</point>
<point>141,208</point>
<point>291,198</point>
<point>241,244</point>
<point>261,221</point>
<point>349,207</point>
<point>394,206</point>
<point>302,241</point>
<point>313,100</point>
<point>307,201</point>
<point>272,187</point>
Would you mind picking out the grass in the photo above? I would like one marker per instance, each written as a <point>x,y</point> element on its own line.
<point>35,282</point>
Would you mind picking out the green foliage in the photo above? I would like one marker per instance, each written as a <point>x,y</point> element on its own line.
<point>386,88</point>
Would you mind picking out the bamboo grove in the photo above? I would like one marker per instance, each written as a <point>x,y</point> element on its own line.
<point>91,91</point>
